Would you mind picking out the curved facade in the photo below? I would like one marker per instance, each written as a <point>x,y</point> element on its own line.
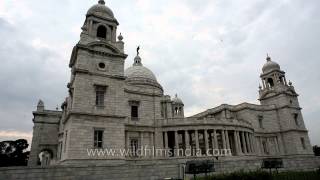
<point>109,107</point>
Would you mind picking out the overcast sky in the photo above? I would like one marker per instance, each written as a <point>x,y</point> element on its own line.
<point>210,52</point>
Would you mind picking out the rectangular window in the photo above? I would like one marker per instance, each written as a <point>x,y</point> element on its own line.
<point>303,143</point>
<point>134,112</point>
<point>100,94</point>
<point>134,145</point>
<point>296,120</point>
<point>134,105</point>
<point>98,139</point>
<point>260,119</point>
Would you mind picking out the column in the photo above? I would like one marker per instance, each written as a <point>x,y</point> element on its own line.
<point>215,139</point>
<point>277,145</point>
<point>250,143</point>
<point>186,137</point>
<point>253,144</point>
<point>141,140</point>
<point>152,143</point>
<point>127,140</point>
<point>152,139</point>
<point>244,143</point>
<point>281,145</point>
<point>285,80</point>
<point>206,139</point>
<point>197,139</point>
<point>114,35</point>
<point>236,150</point>
<point>90,28</point>
<point>261,146</point>
<point>227,139</point>
<point>223,139</point>
<point>176,141</point>
<point>268,145</point>
<point>212,140</point>
<point>247,142</point>
<point>238,142</point>
<point>166,140</point>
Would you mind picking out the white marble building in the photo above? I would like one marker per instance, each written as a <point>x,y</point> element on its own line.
<point>110,107</point>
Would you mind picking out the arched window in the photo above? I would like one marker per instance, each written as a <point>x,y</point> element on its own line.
<point>281,79</point>
<point>102,32</point>
<point>270,82</point>
<point>176,110</point>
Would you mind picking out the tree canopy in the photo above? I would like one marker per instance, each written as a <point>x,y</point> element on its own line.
<point>14,153</point>
<point>316,150</point>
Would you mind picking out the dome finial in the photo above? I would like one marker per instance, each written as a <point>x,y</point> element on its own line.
<point>138,49</point>
<point>120,37</point>
<point>137,59</point>
<point>101,2</point>
<point>268,57</point>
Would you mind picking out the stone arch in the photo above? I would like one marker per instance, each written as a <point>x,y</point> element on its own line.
<point>102,32</point>
<point>107,28</point>
<point>270,82</point>
<point>180,110</point>
<point>45,157</point>
<point>176,110</point>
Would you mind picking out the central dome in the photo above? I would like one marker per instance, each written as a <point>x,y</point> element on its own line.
<point>138,71</point>
<point>101,10</point>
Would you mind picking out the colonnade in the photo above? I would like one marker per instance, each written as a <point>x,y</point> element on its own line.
<point>239,142</point>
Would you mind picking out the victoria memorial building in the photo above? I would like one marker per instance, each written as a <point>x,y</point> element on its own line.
<point>109,106</point>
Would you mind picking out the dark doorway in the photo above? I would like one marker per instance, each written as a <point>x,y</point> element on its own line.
<point>171,142</point>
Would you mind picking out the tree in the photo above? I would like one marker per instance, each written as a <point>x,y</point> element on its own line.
<point>316,150</point>
<point>13,153</point>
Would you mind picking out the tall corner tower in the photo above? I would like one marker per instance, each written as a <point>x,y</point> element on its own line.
<point>276,91</point>
<point>95,113</point>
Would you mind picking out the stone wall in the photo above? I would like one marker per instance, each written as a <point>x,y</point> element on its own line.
<point>148,170</point>
<point>129,172</point>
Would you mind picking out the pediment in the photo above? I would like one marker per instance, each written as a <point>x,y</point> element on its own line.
<point>104,47</point>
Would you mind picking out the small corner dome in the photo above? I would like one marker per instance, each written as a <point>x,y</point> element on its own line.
<point>101,10</point>
<point>270,66</point>
<point>177,100</point>
<point>138,71</point>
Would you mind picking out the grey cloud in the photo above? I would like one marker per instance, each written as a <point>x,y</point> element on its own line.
<point>227,71</point>
<point>25,76</point>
